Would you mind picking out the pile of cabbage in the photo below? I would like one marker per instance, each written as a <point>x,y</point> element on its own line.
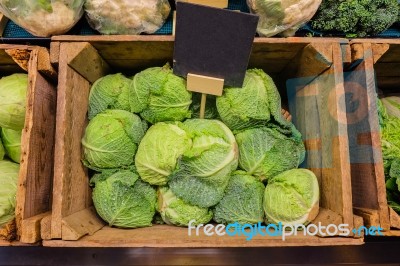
<point>154,159</point>
<point>13,90</point>
<point>389,113</point>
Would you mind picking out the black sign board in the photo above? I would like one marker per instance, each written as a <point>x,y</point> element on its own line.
<point>213,42</point>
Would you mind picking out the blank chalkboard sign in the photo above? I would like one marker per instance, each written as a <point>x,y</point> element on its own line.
<point>213,42</point>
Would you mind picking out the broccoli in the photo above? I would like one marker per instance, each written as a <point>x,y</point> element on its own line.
<point>356,18</point>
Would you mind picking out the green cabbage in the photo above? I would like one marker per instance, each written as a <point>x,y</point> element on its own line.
<point>122,200</point>
<point>2,150</point>
<point>109,92</point>
<point>242,202</point>
<point>210,112</point>
<point>203,171</point>
<point>256,104</point>
<point>9,172</point>
<point>392,105</point>
<point>265,152</point>
<point>159,151</point>
<point>159,95</point>
<point>12,143</point>
<point>13,91</point>
<point>175,211</point>
<point>292,197</point>
<point>111,139</point>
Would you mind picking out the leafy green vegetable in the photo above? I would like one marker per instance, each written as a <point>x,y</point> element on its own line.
<point>13,90</point>
<point>203,171</point>
<point>265,152</point>
<point>159,151</point>
<point>9,172</point>
<point>109,92</point>
<point>43,17</point>
<point>392,105</point>
<point>257,104</point>
<point>242,202</point>
<point>175,211</point>
<point>159,95</point>
<point>356,18</point>
<point>127,16</point>
<point>12,143</point>
<point>211,111</point>
<point>111,139</point>
<point>292,197</point>
<point>282,17</point>
<point>2,150</point>
<point>122,200</point>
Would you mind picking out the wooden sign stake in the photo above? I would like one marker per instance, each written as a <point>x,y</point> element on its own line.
<point>204,85</point>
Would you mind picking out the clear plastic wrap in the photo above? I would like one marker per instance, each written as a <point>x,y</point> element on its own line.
<point>127,16</point>
<point>43,17</point>
<point>283,17</point>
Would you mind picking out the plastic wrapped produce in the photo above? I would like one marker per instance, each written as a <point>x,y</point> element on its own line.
<point>282,17</point>
<point>127,16</point>
<point>45,17</point>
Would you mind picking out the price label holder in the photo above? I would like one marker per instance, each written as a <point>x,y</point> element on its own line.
<point>212,48</point>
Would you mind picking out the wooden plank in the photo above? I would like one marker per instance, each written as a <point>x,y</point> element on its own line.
<point>380,49</point>
<point>54,53</point>
<point>85,60</point>
<point>44,65</point>
<point>37,145</point>
<point>336,180</point>
<point>357,52</point>
<point>20,56</point>
<point>303,107</point>
<point>358,222</point>
<point>371,217</point>
<point>172,236</point>
<point>310,62</point>
<point>71,192</point>
<point>85,222</point>
<point>377,40</point>
<point>346,54</point>
<point>367,165</point>
<point>170,38</point>
<point>3,23</point>
<point>31,229</point>
<point>8,232</point>
<point>212,3</point>
<point>326,217</point>
<point>394,219</point>
<point>45,227</point>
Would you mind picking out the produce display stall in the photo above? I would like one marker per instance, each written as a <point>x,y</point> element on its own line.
<point>326,86</point>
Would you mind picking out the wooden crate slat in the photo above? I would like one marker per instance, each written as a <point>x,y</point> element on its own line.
<point>377,60</point>
<point>71,191</point>
<point>172,236</point>
<point>36,167</point>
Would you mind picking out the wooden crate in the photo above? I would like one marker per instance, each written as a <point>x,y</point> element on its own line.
<point>375,64</point>
<point>312,67</point>
<point>37,144</point>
